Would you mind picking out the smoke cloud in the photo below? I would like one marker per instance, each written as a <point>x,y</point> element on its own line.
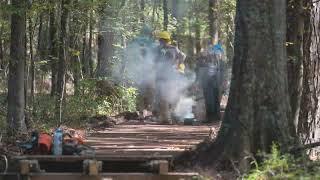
<point>141,67</point>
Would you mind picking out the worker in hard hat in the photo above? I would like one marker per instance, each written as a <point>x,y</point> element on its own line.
<point>169,60</point>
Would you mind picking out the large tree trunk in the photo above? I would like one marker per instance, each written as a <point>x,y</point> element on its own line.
<point>105,44</point>
<point>61,79</point>
<point>295,28</point>
<point>308,125</point>
<point>53,48</point>
<point>213,20</point>
<point>105,52</point>
<point>16,95</point>
<point>258,111</point>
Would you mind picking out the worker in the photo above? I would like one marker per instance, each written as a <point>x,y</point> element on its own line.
<point>210,72</point>
<point>169,61</point>
<point>143,47</point>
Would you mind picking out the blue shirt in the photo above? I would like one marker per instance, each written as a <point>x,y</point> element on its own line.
<point>216,49</point>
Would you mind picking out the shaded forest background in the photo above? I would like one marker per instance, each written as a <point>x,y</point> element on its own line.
<point>57,60</point>
<point>71,47</point>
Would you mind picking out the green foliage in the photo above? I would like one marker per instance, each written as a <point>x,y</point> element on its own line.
<point>277,166</point>
<point>91,100</point>
<point>44,111</point>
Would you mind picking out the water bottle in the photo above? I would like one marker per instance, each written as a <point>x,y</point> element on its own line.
<point>57,142</point>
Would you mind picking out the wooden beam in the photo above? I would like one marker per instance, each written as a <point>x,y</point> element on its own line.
<point>113,176</point>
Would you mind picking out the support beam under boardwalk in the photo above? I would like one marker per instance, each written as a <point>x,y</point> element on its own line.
<point>113,176</point>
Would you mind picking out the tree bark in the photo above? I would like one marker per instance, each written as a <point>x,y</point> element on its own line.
<point>175,9</point>
<point>61,79</point>
<point>213,20</point>
<point>1,51</point>
<point>198,36</point>
<point>142,6</point>
<point>165,15</point>
<point>105,52</point>
<point>105,43</point>
<point>308,125</point>
<point>16,95</point>
<point>90,49</point>
<point>258,111</point>
<point>42,41</point>
<point>32,66</point>
<point>295,30</point>
<point>53,46</point>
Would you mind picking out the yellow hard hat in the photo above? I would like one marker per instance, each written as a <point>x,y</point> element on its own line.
<point>164,35</point>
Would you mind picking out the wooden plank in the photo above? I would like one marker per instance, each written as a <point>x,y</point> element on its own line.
<point>106,157</point>
<point>113,176</point>
<point>24,167</point>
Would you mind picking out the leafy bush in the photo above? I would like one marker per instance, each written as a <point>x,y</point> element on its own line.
<point>93,97</point>
<point>99,97</point>
<point>277,166</point>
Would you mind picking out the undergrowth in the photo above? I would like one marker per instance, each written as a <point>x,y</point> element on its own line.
<point>91,99</point>
<point>277,166</point>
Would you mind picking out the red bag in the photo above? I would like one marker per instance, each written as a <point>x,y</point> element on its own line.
<point>44,143</point>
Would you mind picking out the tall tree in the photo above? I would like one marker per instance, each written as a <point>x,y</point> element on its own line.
<point>106,37</point>
<point>142,6</point>
<point>213,20</point>
<point>16,95</point>
<point>165,15</point>
<point>61,79</point>
<point>53,46</point>
<point>32,66</point>
<point>1,50</point>
<point>105,52</point>
<point>295,30</point>
<point>258,111</point>
<point>309,122</point>
<point>90,41</point>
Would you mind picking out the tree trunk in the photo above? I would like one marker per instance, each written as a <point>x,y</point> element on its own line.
<point>229,43</point>
<point>213,20</point>
<point>258,111</point>
<point>295,29</point>
<point>105,43</point>
<point>198,36</point>
<point>76,62</point>
<point>165,15</point>
<point>1,51</point>
<point>61,79</point>
<point>85,67</point>
<point>90,49</point>
<point>308,125</point>
<point>175,9</point>
<point>190,38</point>
<point>41,42</point>
<point>53,48</point>
<point>105,52</point>
<point>32,68</point>
<point>142,6</point>
<point>16,96</point>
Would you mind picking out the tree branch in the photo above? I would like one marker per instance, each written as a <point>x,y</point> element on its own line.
<point>306,146</point>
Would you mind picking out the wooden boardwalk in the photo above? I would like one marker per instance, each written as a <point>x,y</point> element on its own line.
<point>148,140</point>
